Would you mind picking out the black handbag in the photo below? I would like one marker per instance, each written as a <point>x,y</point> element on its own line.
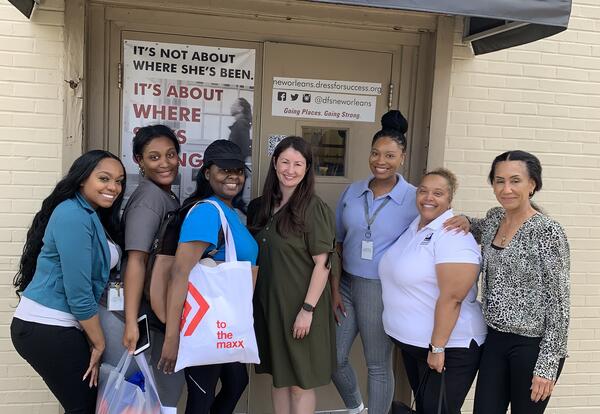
<point>398,407</point>
<point>160,260</point>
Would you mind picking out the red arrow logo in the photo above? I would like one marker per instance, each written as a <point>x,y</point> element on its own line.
<point>203,307</point>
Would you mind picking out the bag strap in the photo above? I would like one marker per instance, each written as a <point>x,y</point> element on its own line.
<point>148,375</point>
<point>230,253</point>
<point>124,363</point>
<point>442,399</point>
<point>420,388</point>
<point>442,396</point>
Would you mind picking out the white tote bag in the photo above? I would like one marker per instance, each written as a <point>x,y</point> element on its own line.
<point>217,325</point>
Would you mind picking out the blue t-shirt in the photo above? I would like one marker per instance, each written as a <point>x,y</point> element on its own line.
<point>203,224</point>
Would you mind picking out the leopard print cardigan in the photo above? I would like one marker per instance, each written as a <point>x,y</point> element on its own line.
<point>525,286</point>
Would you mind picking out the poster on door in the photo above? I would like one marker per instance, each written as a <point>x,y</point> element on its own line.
<point>203,93</point>
<point>325,99</point>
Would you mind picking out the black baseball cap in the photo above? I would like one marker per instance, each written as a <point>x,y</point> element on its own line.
<point>224,154</point>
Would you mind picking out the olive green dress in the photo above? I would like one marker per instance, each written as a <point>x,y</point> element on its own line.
<point>285,269</point>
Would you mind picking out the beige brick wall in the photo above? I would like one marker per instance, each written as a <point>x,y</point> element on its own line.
<point>544,98</point>
<point>31,124</point>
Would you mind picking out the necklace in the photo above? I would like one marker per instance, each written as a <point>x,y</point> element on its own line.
<point>505,232</point>
<point>509,230</point>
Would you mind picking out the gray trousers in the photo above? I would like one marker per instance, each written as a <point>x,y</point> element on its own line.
<point>169,386</point>
<point>364,308</point>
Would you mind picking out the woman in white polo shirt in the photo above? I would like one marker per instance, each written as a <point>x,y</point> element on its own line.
<point>429,288</point>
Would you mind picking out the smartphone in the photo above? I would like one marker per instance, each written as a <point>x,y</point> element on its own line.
<point>143,342</point>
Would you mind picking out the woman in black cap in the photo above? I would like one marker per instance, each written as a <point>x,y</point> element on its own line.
<point>370,216</point>
<point>220,179</point>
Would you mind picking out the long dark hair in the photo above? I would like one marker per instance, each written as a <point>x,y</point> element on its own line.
<point>292,214</point>
<point>203,188</point>
<point>66,188</point>
<point>246,109</point>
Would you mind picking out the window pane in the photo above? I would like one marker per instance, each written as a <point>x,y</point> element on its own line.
<point>329,149</point>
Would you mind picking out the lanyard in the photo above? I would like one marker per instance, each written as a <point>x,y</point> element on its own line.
<point>371,219</point>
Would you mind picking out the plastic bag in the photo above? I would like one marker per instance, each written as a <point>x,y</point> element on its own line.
<point>118,396</point>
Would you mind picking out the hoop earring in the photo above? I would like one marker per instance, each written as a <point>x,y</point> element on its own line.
<point>142,172</point>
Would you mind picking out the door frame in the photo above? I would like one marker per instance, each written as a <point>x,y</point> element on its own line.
<point>426,40</point>
<point>413,53</point>
<point>321,62</point>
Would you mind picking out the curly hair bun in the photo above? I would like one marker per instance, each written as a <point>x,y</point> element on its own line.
<point>394,120</point>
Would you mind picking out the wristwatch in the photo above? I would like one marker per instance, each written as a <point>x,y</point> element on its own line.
<point>435,350</point>
<point>308,307</point>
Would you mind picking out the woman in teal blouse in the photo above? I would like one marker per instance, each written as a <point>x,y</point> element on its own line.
<point>64,268</point>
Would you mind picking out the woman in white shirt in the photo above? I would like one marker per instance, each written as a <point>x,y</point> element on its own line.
<point>429,285</point>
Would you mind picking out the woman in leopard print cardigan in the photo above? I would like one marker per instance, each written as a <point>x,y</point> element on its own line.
<point>525,291</point>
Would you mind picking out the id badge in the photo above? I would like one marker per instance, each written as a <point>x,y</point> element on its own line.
<point>366,251</point>
<point>116,300</point>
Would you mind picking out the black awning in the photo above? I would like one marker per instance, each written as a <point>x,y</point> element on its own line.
<point>491,24</point>
<point>24,6</point>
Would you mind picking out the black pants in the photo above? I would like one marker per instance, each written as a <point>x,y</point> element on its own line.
<point>505,375</point>
<point>60,356</point>
<point>202,383</point>
<point>461,367</point>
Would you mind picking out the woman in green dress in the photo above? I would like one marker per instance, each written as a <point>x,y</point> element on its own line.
<point>293,320</point>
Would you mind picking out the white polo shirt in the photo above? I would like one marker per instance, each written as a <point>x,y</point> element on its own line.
<point>410,289</point>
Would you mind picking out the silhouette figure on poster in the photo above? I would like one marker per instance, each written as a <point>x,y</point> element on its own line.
<point>240,135</point>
